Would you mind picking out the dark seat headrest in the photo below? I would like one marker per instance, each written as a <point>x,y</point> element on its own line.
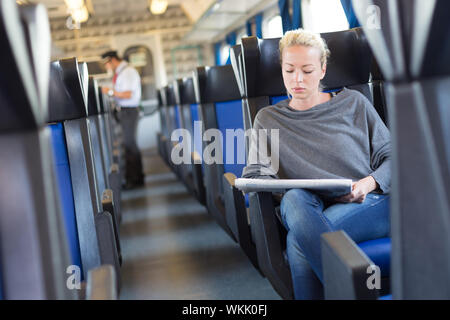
<point>412,40</point>
<point>19,99</point>
<point>160,98</point>
<point>170,95</point>
<point>101,100</point>
<point>349,63</point>
<point>235,56</point>
<point>37,29</point>
<point>436,51</point>
<point>84,79</point>
<point>184,91</point>
<point>215,84</point>
<point>66,99</point>
<point>93,98</point>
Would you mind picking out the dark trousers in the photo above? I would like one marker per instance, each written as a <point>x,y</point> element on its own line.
<point>133,163</point>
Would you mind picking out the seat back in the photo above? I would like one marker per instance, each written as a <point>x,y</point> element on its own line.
<point>33,248</point>
<point>219,101</point>
<point>107,129</point>
<point>162,102</point>
<point>102,123</point>
<point>64,184</point>
<point>192,171</point>
<point>172,118</point>
<point>66,106</point>
<point>413,52</point>
<point>185,96</point>
<point>97,137</point>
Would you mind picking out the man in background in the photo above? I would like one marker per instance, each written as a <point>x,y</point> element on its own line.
<point>126,91</point>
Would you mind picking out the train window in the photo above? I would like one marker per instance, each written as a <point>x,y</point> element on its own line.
<point>241,35</point>
<point>273,28</point>
<point>324,16</point>
<point>224,53</point>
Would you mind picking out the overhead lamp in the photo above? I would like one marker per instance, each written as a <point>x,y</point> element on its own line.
<point>74,4</point>
<point>158,6</point>
<point>216,7</point>
<point>80,15</point>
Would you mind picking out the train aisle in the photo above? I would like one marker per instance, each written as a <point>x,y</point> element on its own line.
<point>172,248</point>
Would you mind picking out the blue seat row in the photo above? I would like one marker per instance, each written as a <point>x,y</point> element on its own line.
<point>56,226</point>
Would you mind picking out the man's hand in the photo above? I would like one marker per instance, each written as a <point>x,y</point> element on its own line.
<point>359,190</point>
<point>105,90</point>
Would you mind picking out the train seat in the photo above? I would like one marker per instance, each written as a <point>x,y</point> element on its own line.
<point>349,66</point>
<point>68,105</point>
<point>64,183</point>
<point>103,173</point>
<point>170,113</point>
<point>33,245</point>
<point>163,135</point>
<point>192,172</point>
<point>35,252</point>
<point>414,61</point>
<point>220,108</point>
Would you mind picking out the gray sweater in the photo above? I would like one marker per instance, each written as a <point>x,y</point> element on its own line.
<point>341,138</point>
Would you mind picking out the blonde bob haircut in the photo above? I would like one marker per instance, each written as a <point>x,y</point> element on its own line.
<point>301,37</point>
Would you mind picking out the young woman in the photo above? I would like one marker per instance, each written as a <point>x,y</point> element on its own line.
<point>323,136</point>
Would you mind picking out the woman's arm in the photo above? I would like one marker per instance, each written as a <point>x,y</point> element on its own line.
<point>380,162</point>
<point>259,164</point>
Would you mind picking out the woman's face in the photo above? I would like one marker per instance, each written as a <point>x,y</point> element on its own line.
<point>302,71</point>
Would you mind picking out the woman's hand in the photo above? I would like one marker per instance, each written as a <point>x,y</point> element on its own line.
<point>359,190</point>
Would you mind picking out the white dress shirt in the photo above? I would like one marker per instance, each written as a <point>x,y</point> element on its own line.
<point>128,79</point>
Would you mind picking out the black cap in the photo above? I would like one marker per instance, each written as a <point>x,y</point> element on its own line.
<point>110,54</point>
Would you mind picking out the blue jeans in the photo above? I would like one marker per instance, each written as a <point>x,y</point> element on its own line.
<point>306,216</point>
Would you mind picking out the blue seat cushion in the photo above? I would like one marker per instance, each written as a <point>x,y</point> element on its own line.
<point>379,251</point>
<point>386,297</point>
<point>64,183</point>
<point>229,117</point>
<point>276,99</point>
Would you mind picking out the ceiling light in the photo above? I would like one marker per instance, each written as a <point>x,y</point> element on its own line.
<point>216,7</point>
<point>158,6</point>
<point>80,15</point>
<point>74,4</point>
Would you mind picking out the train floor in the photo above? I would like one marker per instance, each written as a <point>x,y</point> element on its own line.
<point>173,249</point>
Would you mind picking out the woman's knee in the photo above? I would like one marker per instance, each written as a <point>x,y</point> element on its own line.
<point>297,203</point>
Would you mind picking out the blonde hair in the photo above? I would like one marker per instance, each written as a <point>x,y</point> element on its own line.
<point>301,37</point>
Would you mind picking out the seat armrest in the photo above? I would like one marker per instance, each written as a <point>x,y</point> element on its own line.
<point>108,205</point>
<point>269,239</point>
<point>230,178</point>
<point>196,159</point>
<point>236,216</point>
<point>347,270</point>
<point>197,177</point>
<point>114,168</point>
<point>115,183</point>
<point>101,283</point>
